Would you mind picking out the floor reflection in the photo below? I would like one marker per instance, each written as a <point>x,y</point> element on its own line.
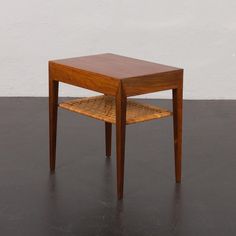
<point>176,207</point>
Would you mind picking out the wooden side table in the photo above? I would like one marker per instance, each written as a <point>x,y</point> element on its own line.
<point>116,77</point>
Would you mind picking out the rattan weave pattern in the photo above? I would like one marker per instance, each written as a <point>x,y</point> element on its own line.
<point>103,108</point>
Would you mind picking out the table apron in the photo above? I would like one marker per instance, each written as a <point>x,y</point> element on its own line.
<point>83,79</point>
<point>138,86</point>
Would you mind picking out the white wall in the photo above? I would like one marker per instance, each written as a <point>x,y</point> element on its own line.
<point>199,36</point>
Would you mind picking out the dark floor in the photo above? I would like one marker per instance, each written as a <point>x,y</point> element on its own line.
<point>80,198</point>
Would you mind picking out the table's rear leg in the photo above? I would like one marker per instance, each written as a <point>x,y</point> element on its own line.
<point>177,120</point>
<point>108,133</point>
<point>53,104</point>
<point>120,140</point>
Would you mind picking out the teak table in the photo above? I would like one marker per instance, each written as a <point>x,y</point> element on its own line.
<point>117,77</point>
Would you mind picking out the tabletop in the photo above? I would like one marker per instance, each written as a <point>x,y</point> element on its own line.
<point>106,72</point>
<point>115,66</point>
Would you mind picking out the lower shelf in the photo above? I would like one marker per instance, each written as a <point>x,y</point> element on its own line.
<point>103,108</point>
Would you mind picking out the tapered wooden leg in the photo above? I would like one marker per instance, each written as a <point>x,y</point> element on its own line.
<point>120,140</point>
<point>177,120</point>
<point>53,104</point>
<point>108,131</point>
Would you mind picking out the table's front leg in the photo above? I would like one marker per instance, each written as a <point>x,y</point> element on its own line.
<point>121,102</point>
<point>53,105</point>
<point>177,120</point>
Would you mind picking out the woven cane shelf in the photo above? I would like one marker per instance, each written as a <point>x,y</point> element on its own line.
<point>103,108</point>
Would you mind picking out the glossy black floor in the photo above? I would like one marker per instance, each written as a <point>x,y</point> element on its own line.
<point>80,198</point>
